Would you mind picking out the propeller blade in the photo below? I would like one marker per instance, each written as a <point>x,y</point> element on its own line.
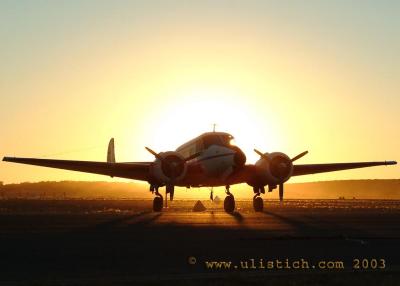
<point>262,155</point>
<point>299,156</point>
<point>192,156</point>
<point>153,153</point>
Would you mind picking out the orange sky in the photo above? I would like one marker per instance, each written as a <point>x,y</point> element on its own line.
<point>314,76</point>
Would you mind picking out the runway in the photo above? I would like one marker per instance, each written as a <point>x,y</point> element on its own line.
<point>121,242</point>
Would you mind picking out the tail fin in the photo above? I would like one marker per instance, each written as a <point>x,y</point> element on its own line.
<point>111,152</point>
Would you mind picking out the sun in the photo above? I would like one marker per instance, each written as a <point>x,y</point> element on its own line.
<point>196,111</point>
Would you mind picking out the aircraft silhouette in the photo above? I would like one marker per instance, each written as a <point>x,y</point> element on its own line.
<point>206,161</point>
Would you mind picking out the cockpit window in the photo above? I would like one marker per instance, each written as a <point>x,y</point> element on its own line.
<point>226,139</point>
<point>220,140</point>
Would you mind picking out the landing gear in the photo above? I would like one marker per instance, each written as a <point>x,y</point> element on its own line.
<point>158,202</point>
<point>229,202</point>
<point>281,193</point>
<point>258,203</point>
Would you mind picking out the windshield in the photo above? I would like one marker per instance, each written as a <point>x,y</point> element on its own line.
<point>220,140</point>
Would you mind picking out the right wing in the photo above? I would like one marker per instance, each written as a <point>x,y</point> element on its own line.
<point>134,170</point>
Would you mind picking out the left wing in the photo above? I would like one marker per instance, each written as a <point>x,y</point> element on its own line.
<point>248,174</point>
<point>307,169</point>
<point>135,170</point>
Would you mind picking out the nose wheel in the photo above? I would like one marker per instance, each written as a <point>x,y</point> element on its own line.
<point>258,203</point>
<point>229,202</point>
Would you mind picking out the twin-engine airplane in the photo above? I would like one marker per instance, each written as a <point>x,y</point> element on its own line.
<point>206,161</point>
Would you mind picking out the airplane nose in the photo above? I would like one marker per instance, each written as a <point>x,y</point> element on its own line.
<point>239,158</point>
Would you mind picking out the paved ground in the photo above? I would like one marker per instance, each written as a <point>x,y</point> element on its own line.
<point>123,243</point>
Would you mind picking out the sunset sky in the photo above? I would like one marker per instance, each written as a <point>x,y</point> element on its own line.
<point>287,76</point>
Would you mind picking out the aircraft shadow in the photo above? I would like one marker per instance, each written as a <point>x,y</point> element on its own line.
<point>237,216</point>
<point>316,227</point>
<point>146,221</point>
<point>301,227</point>
<point>115,222</point>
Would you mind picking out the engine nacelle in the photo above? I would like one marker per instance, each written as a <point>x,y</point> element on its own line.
<point>275,169</point>
<point>169,169</point>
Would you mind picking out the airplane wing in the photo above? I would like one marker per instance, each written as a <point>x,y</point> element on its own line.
<point>307,169</point>
<point>134,170</point>
<point>247,174</point>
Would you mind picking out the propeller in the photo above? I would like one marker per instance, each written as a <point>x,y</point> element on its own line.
<point>299,156</point>
<point>154,153</point>
<point>265,155</point>
<point>172,165</point>
<point>280,168</point>
<point>262,155</point>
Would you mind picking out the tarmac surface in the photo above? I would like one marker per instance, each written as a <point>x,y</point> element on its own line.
<point>80,242</point>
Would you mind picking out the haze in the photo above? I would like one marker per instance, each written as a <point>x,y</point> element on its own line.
<point>283,76</point>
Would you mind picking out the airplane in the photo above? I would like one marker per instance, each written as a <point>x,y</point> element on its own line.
<point>209,160</point>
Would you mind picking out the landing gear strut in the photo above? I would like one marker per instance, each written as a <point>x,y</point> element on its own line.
<point>229,202</point>
<point>281,193</point>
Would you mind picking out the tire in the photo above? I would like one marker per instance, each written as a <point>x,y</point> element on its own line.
<point>258,204</point>
<point>229,204</point>
<point>157,204</point>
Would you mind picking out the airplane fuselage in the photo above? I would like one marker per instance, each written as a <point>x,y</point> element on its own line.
<point>218,158</point>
